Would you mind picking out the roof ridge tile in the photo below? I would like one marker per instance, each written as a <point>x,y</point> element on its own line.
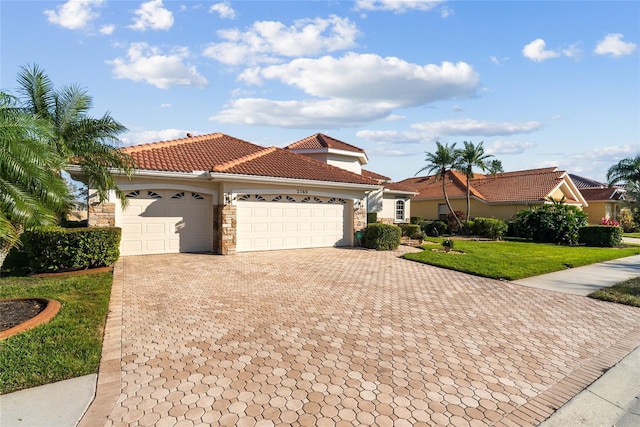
<point>169,143</point>
<point>235,162</point>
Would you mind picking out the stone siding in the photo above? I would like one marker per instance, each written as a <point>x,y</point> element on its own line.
<point>359,216</point>
<point>228,221</point>
<point>102,214</point>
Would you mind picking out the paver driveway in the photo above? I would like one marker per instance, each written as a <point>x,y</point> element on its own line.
<point>349,337</point>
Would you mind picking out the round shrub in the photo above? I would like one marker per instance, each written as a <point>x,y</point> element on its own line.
<point>556,223</point>
<point>491,228</point>
<point>382,237</point>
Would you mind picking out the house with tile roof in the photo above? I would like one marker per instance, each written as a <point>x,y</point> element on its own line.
<point>216,193</point>
<point>499,196</point>
<point>604,201</point>
<point>392,202</point>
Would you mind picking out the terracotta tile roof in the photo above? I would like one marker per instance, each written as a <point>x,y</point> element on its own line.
<point>225,154</point>
<point>395,186</point>
<point>532,185</point>
<point>600,194</point>
<point>375,176</point>
<point>582,182</point>
<point>319,141</point>
<point>198,153</point>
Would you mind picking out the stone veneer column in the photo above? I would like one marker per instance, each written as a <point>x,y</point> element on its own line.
<point>359,215</point>
<point>228,230</point>
<point>102,214</point>
<point>217,228</point>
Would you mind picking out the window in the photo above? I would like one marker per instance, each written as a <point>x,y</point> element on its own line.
<point>399,210</point>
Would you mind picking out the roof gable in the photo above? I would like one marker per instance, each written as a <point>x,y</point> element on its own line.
<point>320,141</point>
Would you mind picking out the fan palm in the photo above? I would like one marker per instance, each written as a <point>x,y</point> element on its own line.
<point>31,190</point>
<point>445,158</point>
<point>627,171</point>
<point>471,156</point>
<point>78,138</point>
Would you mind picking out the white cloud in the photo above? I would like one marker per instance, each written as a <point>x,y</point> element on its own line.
<point>509,147</point>
<point>536,51</point>
<point>152,15</point>
<point>107,29</point>
<point>74,14</point>
<point>469,127</point>
<point>388,82</point>
<point>147,136</point>
<point>312,114</point>
<point>399,6</point>
<point>266,41</point>
<point>613,45</point>
<point>573,51</point>
<point>148,64</point>
<point>224,10</point>
<point>393,136</point>
<point>165,105</point>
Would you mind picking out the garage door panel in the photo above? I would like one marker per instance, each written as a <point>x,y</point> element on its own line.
<point>157,222</point>
<point>290,224</point>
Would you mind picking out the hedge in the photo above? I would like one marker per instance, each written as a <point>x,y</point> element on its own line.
<point>382,237</point>
<point>372,217</point>
<point>54,249</point>
<point>607,236</point>
<point>491,228</point>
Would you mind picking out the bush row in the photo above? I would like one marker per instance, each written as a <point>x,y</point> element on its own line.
<point>382,237</point>
<point>52,249</point>
<point>600,235</point>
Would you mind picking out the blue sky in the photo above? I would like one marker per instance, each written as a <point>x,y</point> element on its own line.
<point>542,83</point>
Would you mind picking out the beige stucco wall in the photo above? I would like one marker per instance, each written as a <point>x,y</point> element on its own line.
<point>428,209</point>
<point>601,209</point>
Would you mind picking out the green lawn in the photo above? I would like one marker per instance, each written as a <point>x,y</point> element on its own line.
<point>634,235</point>
<point>69,345</point>
<point>515,260</point>
<point>623,293</point>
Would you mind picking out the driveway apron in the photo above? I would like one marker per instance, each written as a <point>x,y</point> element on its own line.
<point>348,337</point>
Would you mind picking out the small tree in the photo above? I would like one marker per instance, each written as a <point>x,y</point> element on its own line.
<point>552,223</point>
<point>471,156</point>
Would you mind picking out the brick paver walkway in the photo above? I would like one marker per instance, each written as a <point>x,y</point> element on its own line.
<point>344,337</point>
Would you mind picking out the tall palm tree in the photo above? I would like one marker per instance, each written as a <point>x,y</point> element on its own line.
<point>627,171</point>
<point>471,156</point>
<point>445,158</point>
<point>77,137</point>
<point>31,190</point>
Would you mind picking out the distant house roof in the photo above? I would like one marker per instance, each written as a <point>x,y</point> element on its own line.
<point>526,186</point>
<point>388,183</point>
<point>582,182</point>
<point>225,154</point>
<point>602,194</point>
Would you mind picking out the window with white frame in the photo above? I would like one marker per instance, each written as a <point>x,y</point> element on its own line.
<point>399,211</point>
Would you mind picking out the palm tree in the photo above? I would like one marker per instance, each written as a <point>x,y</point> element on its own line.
<point>627,171</point>
<point>31,190</point>
<point>471,156</point>
<point>78,138</point>
<point>445,158</point>
<point>494,167</point>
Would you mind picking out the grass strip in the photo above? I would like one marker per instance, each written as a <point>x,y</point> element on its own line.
<point>69,345</point>
<point>514,260</point>
<point>627,293</point>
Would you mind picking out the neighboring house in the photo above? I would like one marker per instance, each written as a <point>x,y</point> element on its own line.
<point>391,202</point>
<point>604,201</point>
<point>499,196</point>
<point>217,193</point>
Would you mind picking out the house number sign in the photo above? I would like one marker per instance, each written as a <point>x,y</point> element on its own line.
<point>299,191</point>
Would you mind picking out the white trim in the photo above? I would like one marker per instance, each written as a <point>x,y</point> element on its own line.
<point>162,186</point>
<point>292,191</point>
<point>360,155</point>
<point>217,176</point>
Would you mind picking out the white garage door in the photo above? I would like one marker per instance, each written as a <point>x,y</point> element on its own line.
<point>266,222</point>
<point>166,221</point>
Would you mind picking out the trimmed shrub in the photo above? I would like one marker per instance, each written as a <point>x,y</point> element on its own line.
<point>453,224</point>
<point>382,237</point>
<point>415,220</point>
<point>556,223</point>
<point>434,228</point>
<point>607,236</point>
<point>372,217</point>
<point>412,231</point>
<point>491,228</point>
<point>54,249</point>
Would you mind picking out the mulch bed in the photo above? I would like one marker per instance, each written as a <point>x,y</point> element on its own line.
<point>13,313</point>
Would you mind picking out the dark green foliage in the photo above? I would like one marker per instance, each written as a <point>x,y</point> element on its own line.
<point>372,217</point>
<point>434,228</point>
<point>412,231</point>
<point>605,236</point>
<point>63,249</point>
<point>453,221</point>
<point>382,237</point>
<point>416,219</point>
<point>491,228</point>
<point>555,223</point>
